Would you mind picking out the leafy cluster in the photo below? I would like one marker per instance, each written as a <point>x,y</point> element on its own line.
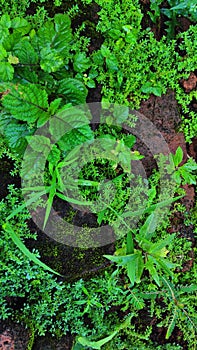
<point>45,74</point>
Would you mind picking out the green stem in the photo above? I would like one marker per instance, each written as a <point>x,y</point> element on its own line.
<point>130,246</point>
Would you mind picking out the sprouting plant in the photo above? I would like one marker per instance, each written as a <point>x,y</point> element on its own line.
<point>184,174</point>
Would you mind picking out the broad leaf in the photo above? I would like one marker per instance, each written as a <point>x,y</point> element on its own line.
<point>72,91</point>
<point>6,71</point>
<point>26,102</point>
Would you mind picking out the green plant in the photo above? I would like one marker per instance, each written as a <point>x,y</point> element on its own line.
<point>176,8</point>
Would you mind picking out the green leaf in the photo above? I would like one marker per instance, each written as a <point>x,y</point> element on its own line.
<point>129,140</point>
<point>148,88</point>
<point>149,226</point>
<point>139,268</point>
<point>39,143</point>
<point>5,21</point>
<point>50,61</point>
<point>26,102</point>
<point>121,114</point>
<point>25,53</point>
<point>56,36</point>
<point>3,52</point>
<point>54,155</point>
<point>15,134</point>
<point>178,157</point>
<point>151,268</point>
<point>72,91</point>
<point>98,344</point>
<point>54,105</point>
<point>156,248</point>
<point>81,63</point>
<point>9,229</point>
<point>6,71</point>
<point>20,25</point>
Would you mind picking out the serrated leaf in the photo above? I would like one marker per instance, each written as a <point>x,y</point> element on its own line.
<point>72,91</point>
<point>54,155</point>
<point>6,71</point>
<point>25,53</point>
<point>39,143</point>
<point>54,105</point>
<point>20,26</point>
<point>56,36</point>
<point>76,137</point>
<point>65,120</point>
<point>50,61</point>
<point>26,102</point>
<point>15,134</point>
<point>81,63</point>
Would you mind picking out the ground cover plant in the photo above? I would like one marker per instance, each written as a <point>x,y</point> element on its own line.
<point>56,58</point>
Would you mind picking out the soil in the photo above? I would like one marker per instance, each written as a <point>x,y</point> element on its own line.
<point>163,112</point>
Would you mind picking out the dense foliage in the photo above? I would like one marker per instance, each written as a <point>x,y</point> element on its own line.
<point>47,72</point>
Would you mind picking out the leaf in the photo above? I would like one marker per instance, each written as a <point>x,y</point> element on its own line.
<point>25,53</point>
<point>26,102</point>
<point>81,63</point>
<point>129,140</point>
<point>172,324</point>
<point>50,61</point>
<point>54,105</point>
<point>9,229</point>
<point>148,88</point>
<point>72,91</point>
<point>54,155</point>
<point>56,36</point>
<point>6,71</point>
<point>98,344</point>
<point>39,143</point>
<point>3,52</point>
<point>153,272</point>
<point>139,267</point>
<point>178,157</point>
<point>121,114</point>
<point>76,137</point>
<point>156,248</point>
<point>149,226</point>
<point>20,25</point>
<point>15,134</point>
